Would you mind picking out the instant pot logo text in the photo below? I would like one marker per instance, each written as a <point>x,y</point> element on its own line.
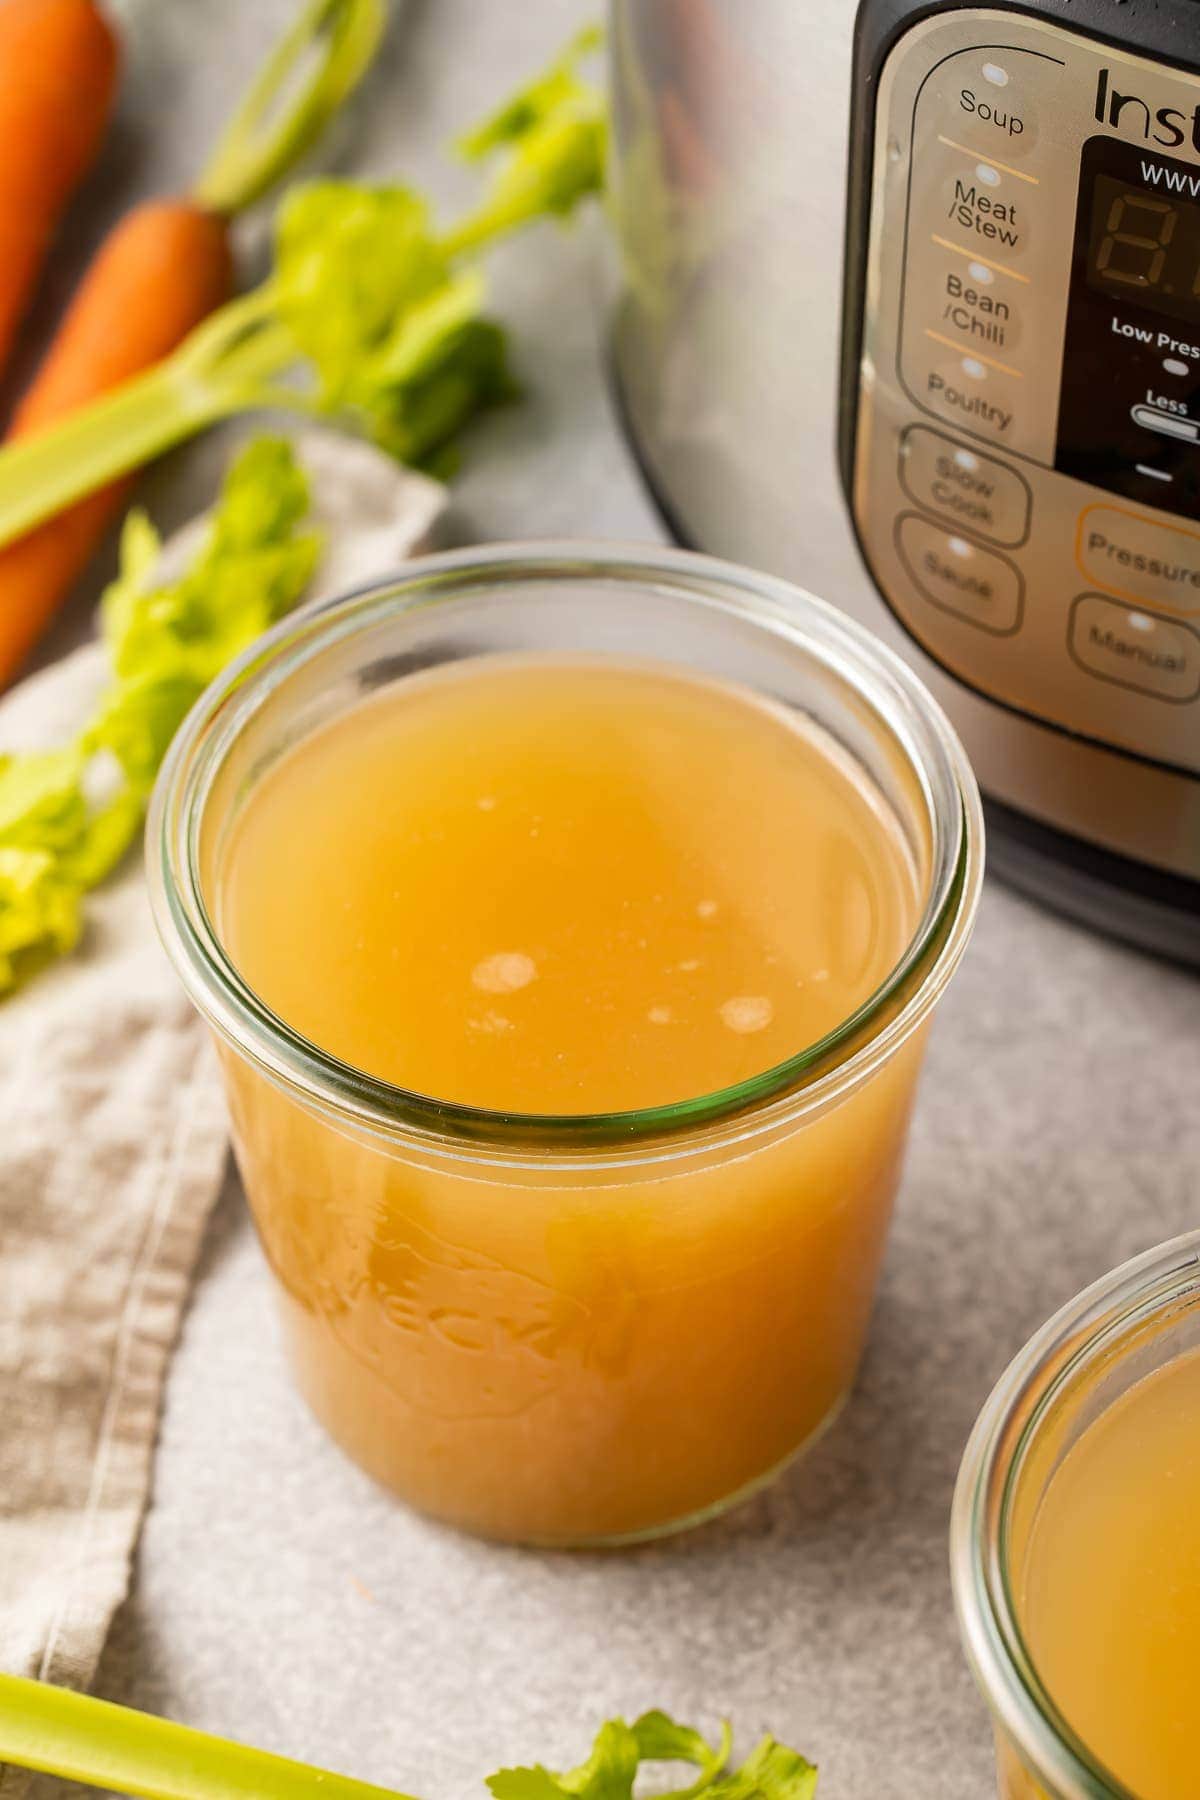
<point>1132,116</point>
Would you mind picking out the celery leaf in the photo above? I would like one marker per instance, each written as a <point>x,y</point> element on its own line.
<point>68,816</point>
<point>771,1772</point>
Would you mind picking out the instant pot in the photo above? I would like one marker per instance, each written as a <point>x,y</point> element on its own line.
<point>910,313</point>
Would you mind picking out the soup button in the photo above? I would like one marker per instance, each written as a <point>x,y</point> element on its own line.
<point>961,577</point>
<point>964,485</point>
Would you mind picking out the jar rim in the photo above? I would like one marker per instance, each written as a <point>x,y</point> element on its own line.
<point>809,1078</point>
<point>1094,1325</point>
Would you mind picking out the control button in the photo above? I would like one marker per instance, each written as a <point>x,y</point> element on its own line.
<point>968,390</point>
<point>985,206</point>
<point>960,576</point>
<point>970,304</point>
<point>1135,649</point>
<point>1172,425</point>
<point>991,104</point>
<point>1139,558</point>
<point>975,490</point>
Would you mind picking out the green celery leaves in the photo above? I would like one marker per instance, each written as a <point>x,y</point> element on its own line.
<point>372,316</point>
<point>68,816</point>
<point>771,1772</point>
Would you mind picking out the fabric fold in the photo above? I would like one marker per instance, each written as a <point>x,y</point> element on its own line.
<point>113,1147</point>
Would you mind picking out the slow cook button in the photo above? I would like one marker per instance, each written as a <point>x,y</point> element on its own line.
<point>960,576</point>
<point>1139,558</point>
<point>964,485</point>
<point>1135,649</point>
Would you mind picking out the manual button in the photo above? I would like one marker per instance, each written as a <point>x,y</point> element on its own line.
<point>964,485</point>
<point>1135,649</point>
<point>960,576</point>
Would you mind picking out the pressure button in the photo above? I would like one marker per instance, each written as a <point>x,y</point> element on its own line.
<point>964,486</point>
<point>960,576</point>
<point>1140,558</point>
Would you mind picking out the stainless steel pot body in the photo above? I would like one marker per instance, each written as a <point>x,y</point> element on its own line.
<point>734,132</point>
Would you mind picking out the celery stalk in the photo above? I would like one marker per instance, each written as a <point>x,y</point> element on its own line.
<point>272,129</point>
<point>365,319</point>
<point>223,367</point>
<point>79,1738</point>
<point>71,1735</point>
<point>43,474</point>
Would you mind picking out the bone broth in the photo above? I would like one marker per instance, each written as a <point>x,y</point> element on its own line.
<point>569,887</point>
<point>546,886</point>
<point>1111,1607</point>
<point>570,1004</point>
<point>556,887</point>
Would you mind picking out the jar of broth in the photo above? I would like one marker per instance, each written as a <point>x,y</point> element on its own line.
<point>569,920</point>
<point>1075,1543</point>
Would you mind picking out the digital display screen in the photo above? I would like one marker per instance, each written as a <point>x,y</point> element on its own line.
<point>1145,247</point>
<point>1129,395</point>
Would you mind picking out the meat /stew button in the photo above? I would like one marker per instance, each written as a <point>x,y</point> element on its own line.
<point>1140,558</point>
<point>960,576</point>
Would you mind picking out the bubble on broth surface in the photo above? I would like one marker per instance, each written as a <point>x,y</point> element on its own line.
<point>748,1012</point>
<point>505,973</point>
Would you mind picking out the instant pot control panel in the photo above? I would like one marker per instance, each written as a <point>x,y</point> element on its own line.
<point>1026,422</point>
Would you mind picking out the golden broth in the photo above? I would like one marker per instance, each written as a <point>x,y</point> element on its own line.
<point>569,886</point>
<point>1110,1584</point>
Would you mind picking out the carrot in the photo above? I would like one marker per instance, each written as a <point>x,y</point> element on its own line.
<point>58,71</point>
<point>162,270</point>
<point>159,273</point>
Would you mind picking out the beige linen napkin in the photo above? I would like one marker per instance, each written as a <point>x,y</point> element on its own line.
<point>112,1151</point>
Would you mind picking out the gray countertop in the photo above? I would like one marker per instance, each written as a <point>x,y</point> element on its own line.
<point>277,1595</point>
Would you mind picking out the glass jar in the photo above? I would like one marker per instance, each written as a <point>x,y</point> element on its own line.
<point>569,1330</point>
<point>1131,1323</point>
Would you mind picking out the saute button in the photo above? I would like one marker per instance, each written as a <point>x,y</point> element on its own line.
<point>964,485</point>
<point>1139,558</point>
<point>960,576</point>
<point>1135,649</point>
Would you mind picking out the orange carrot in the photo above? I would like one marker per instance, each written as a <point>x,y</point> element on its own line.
<point>58,70</point>
<point>159,273</point>
<point>161,270</point>
<point>165,267</point>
